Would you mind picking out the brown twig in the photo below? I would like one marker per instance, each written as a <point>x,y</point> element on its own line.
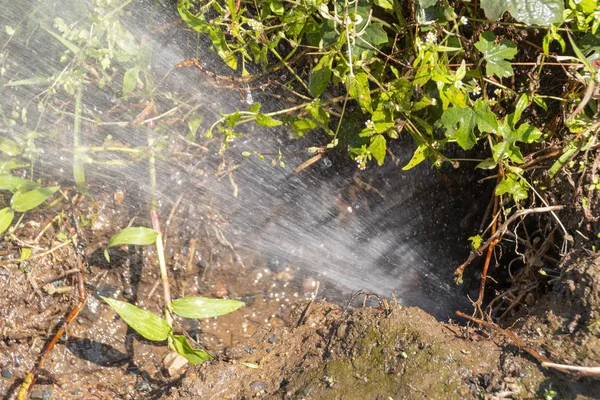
<point>498,234</point>
<point>522,345</point>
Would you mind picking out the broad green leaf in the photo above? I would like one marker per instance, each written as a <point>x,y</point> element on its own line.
<point>497,55</point>
<point>510,184</point>
<point>12,183</point>
<point>358,88</point>
<point>427,3</point>
<point>180,344</point>
<point>321,75</point>
<point>417,158</point>
<point>460,123</point>
<point>22,202</point>
<point>9,146</point>
<point>316,110</point>
<point>130,80</point>
<point>531,12</point>
<point>276,7</point>
<point>147,324</point>
<point>9,163</point>
<point>374,35</point>
<point>488,163</point>
<point>265,120</point>
<point>202,307</point>
<point>134,235</point>
<point>254,107</point>
<point>6,217</point>
<point>378,148</point>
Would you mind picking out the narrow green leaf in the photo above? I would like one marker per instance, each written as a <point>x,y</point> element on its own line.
<point>265,120</point>
<point>180,344</point>
<point>22,202</point>
<point>202,307</point>
<point>9,163</point>
<point>358,88</point>
<point>568,152</point>
<point>321,75</point>
<point>134,235</point>
<point>147,324</point>
<point>65,42</point>
<point>6,217</point>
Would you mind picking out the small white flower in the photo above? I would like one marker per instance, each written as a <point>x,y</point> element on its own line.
<point>597,15</point>
<point>493,101</point>
<point>458,84</point>
<point>361,161</point>
<point>433,101</point>
<point>464,20</point>
<point>435,144</point>
<point>476,90</point>
<point>420,45</point>
<point>498,92</point>
<point>431,38</point>
<point>370,124</point>
<point>254,24</point>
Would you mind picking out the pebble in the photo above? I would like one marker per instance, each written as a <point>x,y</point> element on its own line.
<point>258,385</point>
<point>219,289</point>
<point>45,394</point>
<point>7,373</point>
<point>272,339</point>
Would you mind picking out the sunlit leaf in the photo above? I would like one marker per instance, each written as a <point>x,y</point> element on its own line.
<point>531,12</point>
<point>417,158</point>
<point>510,184</point>
<point>147,324</point>
<point>358,88</point>
<point>497,55</point>
<point>180,344</point>
<point>460,123</point>
<point>22,202</point>
<point>6,217</point>
<point>378,148</point>
<point>276,7</point>
<point>265,120</point>
<point>202,307</point>
<point>321,75</point>
<point>134,235</point>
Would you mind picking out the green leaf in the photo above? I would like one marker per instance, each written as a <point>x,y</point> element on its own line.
<point>417,158</point>
<point>497,56</point>
<point>321,75</point>
<point>130,80</point>
<point>510,184</point>
<point>134,235</point>
<point>476,241</point>
<point>12,183</point>
<point>254,107</point>
<point>147,324</point>
<point>6,217</point>
<point>378,148</point>
<point>427,3</point>
<point>65,42</point>
<point>460,123</point>
<point>488,163</point>
<point>387,4</point>
<point>358,88</point>
<point>9,146</point>
<point>276,7</point>
<point>22,202</point>
<point>9,163</point>
<point>202,307</point>
<point>265,120</point>
<point>531,12</point>
<point>180,344</point>
<point>568,152</point>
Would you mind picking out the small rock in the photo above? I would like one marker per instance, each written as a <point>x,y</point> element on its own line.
<point>341,331</point>
<point>175,364</point>
<point>219,289</point>
<point>272,339</point>
<point>258,385</point>
<point>7,373</point>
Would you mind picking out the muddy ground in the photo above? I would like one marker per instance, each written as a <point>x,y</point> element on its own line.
<point>283,344</point>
